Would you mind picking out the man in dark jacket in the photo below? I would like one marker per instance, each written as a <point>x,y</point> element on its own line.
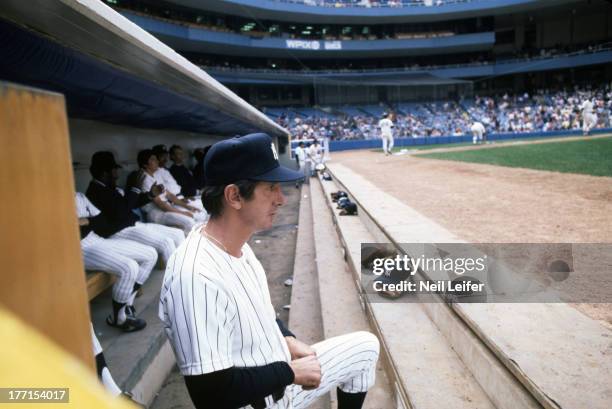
<point>179,171</point>
<point>106,196</point>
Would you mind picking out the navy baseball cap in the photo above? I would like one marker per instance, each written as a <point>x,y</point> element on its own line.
<point>103,161</point>
<point>251,157</point>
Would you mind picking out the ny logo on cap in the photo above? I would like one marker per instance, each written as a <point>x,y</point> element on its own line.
<point>274,151</point>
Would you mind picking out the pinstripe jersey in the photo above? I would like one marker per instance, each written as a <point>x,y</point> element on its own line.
<point>84,208</point>
<point>217,311</point>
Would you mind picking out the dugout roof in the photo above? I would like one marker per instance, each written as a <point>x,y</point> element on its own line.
<point>112,70</point>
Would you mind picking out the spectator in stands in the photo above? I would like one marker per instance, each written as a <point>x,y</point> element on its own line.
<point>123,223</point>
<point>130,261</point>
<point>165,208</point>
<point>181,173</point>
<point>543,111</point>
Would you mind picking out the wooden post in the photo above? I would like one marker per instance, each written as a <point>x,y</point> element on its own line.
<point>42,279</point>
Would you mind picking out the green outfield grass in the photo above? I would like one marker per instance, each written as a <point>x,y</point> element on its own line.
<point>589,156</point>
<point>425,147</point>
<point>458,145</point>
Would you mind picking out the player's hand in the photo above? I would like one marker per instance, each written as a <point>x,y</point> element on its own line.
<point>298,349</point>
<point>306,372</point>
<point>83,221</point>
<point>156,190</point>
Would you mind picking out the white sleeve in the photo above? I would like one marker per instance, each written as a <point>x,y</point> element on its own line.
<point>146,183</point>
<point>84,207</point>
<point>170,182</point>
<point>201,327</point>
<point>91,209</point>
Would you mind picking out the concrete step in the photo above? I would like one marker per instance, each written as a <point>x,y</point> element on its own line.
<point>305,319</point>
<point>341,307</point>
<point>522,355</point>
<point>425,370</point>
<point>305,315</point>
<point>139,361</point>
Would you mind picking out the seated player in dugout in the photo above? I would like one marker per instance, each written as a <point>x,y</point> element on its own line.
<point>161,174</point>
<point>216,307</point>
<point>129,260</point>
<point>182,174</point>
<point>165,177</point>
<point>165,208</point>
<point>117,208</point>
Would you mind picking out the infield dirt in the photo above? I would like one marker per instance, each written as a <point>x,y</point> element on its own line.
<point>493,204</point>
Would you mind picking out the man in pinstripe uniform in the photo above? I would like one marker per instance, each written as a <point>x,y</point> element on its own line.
<point>132,262</point>
<point>216,307</point>
<point>165,208</point>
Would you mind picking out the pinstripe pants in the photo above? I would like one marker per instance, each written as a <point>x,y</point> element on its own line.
<point>347,361</point>
<point>197,203</point>
<point>181,221</point>
<point>164,239</point>
<point>202,215</point>
<point>132,262</point>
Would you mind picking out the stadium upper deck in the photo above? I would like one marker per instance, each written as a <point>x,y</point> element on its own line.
<point>370,11</point>
<point>201,29</point>
<point>300,59</point>
<point>374,3</point>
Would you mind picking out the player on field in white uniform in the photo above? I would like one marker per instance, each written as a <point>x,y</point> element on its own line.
<point>478,132</point>
<point>589,118</point>
<point>315,153</point>
<point>386,133</point>
<point>300,156</point>
<point>132,262</point>
<point>216,307</point>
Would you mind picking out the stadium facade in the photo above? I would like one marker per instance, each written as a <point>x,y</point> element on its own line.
<point>308,53</point>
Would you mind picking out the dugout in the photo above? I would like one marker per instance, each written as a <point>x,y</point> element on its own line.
<point>76,77</point>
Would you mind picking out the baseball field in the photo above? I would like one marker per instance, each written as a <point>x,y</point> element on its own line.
<point>584,156</point>
<point>556,190</point>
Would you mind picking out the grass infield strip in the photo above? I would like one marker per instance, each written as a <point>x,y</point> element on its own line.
<point>589,156</point>
<point>459,144</point>
<point>425,147</point>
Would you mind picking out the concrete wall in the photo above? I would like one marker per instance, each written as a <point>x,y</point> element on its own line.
<point>580,23</point>
<point>87,137</point>
<point>584,23</point>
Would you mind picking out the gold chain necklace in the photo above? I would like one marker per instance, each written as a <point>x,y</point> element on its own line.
<point>215,240</point>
